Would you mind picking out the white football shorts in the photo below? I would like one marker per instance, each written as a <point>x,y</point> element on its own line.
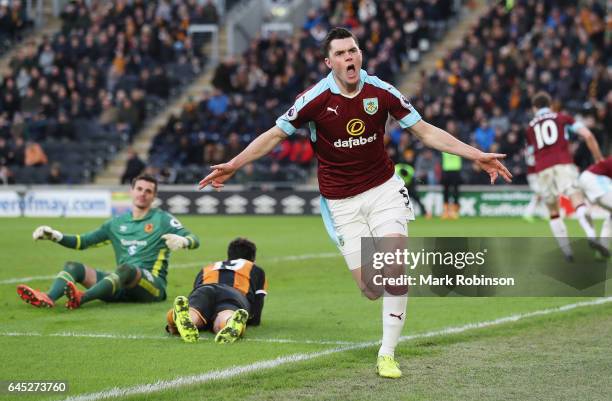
<point>377,212</point>
<point>532,181</point>
<point>554,181</point>
<point>594,185</point>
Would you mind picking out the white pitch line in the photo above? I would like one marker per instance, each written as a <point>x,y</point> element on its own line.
<point>289,258</point>
<point>26,279</point>
<point>234,371</point>
<point>113,336</point>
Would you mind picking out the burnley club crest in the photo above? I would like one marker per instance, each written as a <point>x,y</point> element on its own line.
<point>370,105</point>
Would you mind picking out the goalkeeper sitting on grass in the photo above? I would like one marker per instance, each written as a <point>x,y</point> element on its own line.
<point>226,296</point>
<point>142,240</point>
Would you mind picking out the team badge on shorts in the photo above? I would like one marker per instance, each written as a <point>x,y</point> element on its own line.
<point>148,228</point>
<point>370,105</point>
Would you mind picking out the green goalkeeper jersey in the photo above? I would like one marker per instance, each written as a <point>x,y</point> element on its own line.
<point>136,242</point>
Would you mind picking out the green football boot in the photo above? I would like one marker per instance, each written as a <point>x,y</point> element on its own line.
<point>188,331</point>
<point>386,366</point>
<point>234,328</point>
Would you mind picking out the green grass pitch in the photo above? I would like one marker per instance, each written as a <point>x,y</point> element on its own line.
<point>313,306</point>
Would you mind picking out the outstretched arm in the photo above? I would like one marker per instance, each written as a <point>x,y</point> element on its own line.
<point>261,146</point>
<point>441,140</point>
<point>591,143</point>
<point>97,237</point>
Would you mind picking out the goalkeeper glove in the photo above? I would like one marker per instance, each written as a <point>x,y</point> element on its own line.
<point>46,232</point>
<point>175,242</point>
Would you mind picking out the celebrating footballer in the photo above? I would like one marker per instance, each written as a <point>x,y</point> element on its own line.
<point>361,196</point>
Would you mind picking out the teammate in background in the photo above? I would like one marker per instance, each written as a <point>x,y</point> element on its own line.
<point>548,135</point>
<point>406,172</point>
<point>596,183</point>
<point>361,195</point>
<point>451,180</point>
<point>532,181</point>
<point>226,297</point>
<point>142,240</point>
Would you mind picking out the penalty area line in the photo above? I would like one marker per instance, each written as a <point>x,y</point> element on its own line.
<point>234,371</point>
<point>288,258</point>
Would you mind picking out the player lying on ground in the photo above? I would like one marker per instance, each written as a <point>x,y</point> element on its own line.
<point>556,172</point>
<point>596,183</point>
<point>361,196</point>
<point>226,297</point>
<point>142,240</point>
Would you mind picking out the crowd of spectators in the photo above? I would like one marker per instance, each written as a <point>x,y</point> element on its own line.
<point>90,87</point>
<point>14,23</point>
<point>250,91</point>
<point>482,90</point>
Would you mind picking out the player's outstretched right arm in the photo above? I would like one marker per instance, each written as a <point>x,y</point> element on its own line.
<point>261,146</point>
<point>47,233</point>
<point>78,241</point>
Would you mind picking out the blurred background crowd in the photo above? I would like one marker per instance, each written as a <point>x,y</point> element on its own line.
<point>68,104</point>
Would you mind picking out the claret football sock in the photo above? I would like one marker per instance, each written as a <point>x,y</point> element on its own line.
<point>584,218</point>
<point>557,225</point>
<point>394,315</point>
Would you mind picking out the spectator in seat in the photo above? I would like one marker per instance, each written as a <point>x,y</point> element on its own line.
<point>484,135</point>
<point>6,176</point>
<point>233,146</point>
<point>110,113</point>
<point>34,155</point>
<point>426,166</point>
<point>17,153</point>
<point>4,152</point>
<point>133,167</point>
<point>301,152</point>
<point>55,175</point>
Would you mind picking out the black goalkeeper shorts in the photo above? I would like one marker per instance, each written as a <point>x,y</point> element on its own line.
<point>210,299</point>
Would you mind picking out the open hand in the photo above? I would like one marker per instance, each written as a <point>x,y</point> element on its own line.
<point>220,174</point>
<point>490,163</point>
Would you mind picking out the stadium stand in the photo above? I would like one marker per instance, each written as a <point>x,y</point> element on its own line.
<point>83,93</point>
<point>484,87</point>
<point>14,23</point>
<point>252,90</point>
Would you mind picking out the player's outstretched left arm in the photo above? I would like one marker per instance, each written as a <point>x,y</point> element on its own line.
<point>591,143</point>
<point>441,140</point>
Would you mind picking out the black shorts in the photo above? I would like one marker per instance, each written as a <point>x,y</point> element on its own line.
<point>210,299</point>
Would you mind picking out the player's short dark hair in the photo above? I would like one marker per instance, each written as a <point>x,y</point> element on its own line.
<point>337,33</point>
<point>241,248</point>
<point>541,100</point>
<point>145,177</point>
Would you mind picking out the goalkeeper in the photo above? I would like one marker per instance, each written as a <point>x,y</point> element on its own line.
<point>142,240</point>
